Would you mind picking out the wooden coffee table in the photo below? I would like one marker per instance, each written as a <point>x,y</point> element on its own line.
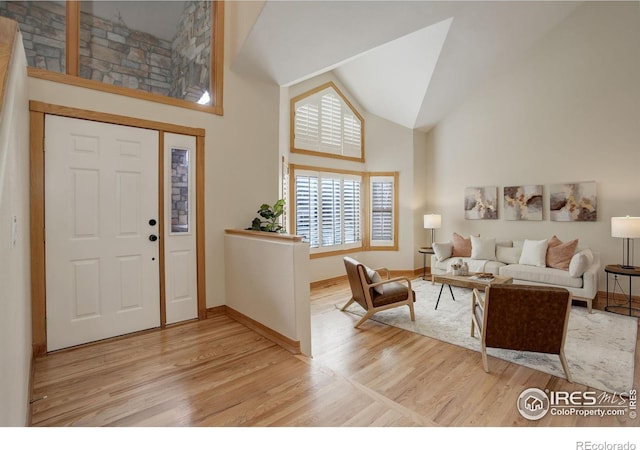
<point>465,281</point>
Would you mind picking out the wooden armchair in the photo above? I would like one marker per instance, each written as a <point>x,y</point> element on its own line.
<point>395,291</point>
<point>522,317</point>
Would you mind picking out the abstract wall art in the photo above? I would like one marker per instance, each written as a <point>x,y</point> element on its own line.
<point>523,202</point>
<point>573,202</point>
<point>481,202</point>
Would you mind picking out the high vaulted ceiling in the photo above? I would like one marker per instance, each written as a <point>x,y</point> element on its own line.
<point>409,62</point>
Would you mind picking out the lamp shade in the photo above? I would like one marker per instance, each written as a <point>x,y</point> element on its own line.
<point>625,227</point>
<point>432,221</point>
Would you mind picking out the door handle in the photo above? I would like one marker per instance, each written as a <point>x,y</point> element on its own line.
<point>153,237</point>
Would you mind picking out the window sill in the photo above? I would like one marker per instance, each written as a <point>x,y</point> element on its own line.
<point>326,155</point>
<point>335,252</point>
<point>382,248</point>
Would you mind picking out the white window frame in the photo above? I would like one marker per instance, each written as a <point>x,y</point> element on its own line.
<point>392,179</point>
<point>324,123</point>
<point>321,249</point>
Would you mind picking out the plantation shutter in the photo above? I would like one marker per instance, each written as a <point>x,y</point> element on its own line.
<point>285,194</point>
<point>324,122</point>
<point>307,209</point>
<point>307,124</point>
<point>352,127</point>
<point>351,202</point>
<point>331,212</point>
<point>328,209</point>
<point>382,208</point>
<point>330,122</point>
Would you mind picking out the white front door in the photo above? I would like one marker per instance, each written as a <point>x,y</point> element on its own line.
<point>101,216</point>
<point>181,291</point>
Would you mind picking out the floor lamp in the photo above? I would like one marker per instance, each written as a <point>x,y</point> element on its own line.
<point>627,228</point>
<point>432,221</point>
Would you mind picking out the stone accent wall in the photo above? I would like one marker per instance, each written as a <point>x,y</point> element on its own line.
<point>114,54</point>
<point>192,51</point>
<point>43,27</point>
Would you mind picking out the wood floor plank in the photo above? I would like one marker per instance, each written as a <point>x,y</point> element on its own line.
<point>217,372</point>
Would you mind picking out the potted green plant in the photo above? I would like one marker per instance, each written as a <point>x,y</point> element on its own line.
<point>269,218</point>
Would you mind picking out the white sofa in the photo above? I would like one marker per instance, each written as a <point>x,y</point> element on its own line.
<point>581,279</point>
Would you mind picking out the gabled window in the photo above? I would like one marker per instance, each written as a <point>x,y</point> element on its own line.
<point>383,214</point>
<point>324,123</point>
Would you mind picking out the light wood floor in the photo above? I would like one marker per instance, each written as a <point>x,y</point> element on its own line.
<point>217,372</point>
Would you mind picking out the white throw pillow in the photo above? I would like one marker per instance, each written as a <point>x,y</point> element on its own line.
<point>534,253</point>
<point>580,262</point>
<point>375,278</point>
<point>508,255</point>
<point>483,248</point>
<point>518,243</point>
<point>589,254</point>
<point>443,250</point>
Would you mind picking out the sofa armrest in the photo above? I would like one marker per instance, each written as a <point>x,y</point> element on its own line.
<point>590,277</point>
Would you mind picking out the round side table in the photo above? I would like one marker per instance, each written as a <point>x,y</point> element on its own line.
<point>617,270</point>
<point>425,251</point>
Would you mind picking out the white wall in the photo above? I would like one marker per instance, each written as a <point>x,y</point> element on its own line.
<point>241,147</point>
<point>569,110</point>
<point>422,201</point>
<point>388,148</point>
<point>15,279</point>
<point>275,293</point>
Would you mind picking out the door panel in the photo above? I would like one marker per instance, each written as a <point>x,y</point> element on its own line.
<point>101,190</point>
<point>180,230</point>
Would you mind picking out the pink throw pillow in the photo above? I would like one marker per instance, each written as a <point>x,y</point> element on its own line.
<point>461,246</point>
<point>559,254</point>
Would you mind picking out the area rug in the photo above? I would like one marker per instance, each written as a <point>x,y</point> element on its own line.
<point>599,347</point>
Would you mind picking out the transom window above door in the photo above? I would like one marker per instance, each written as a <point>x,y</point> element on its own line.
<point>325,123</point>
<point>165,51</point>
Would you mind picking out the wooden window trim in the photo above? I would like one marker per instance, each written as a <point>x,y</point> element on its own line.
<point>72,50</point>
<point>366,207</point>
<point>292,206</point>
<point>292,114</point>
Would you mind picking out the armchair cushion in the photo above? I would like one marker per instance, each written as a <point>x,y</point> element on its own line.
<point>393,292</point>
